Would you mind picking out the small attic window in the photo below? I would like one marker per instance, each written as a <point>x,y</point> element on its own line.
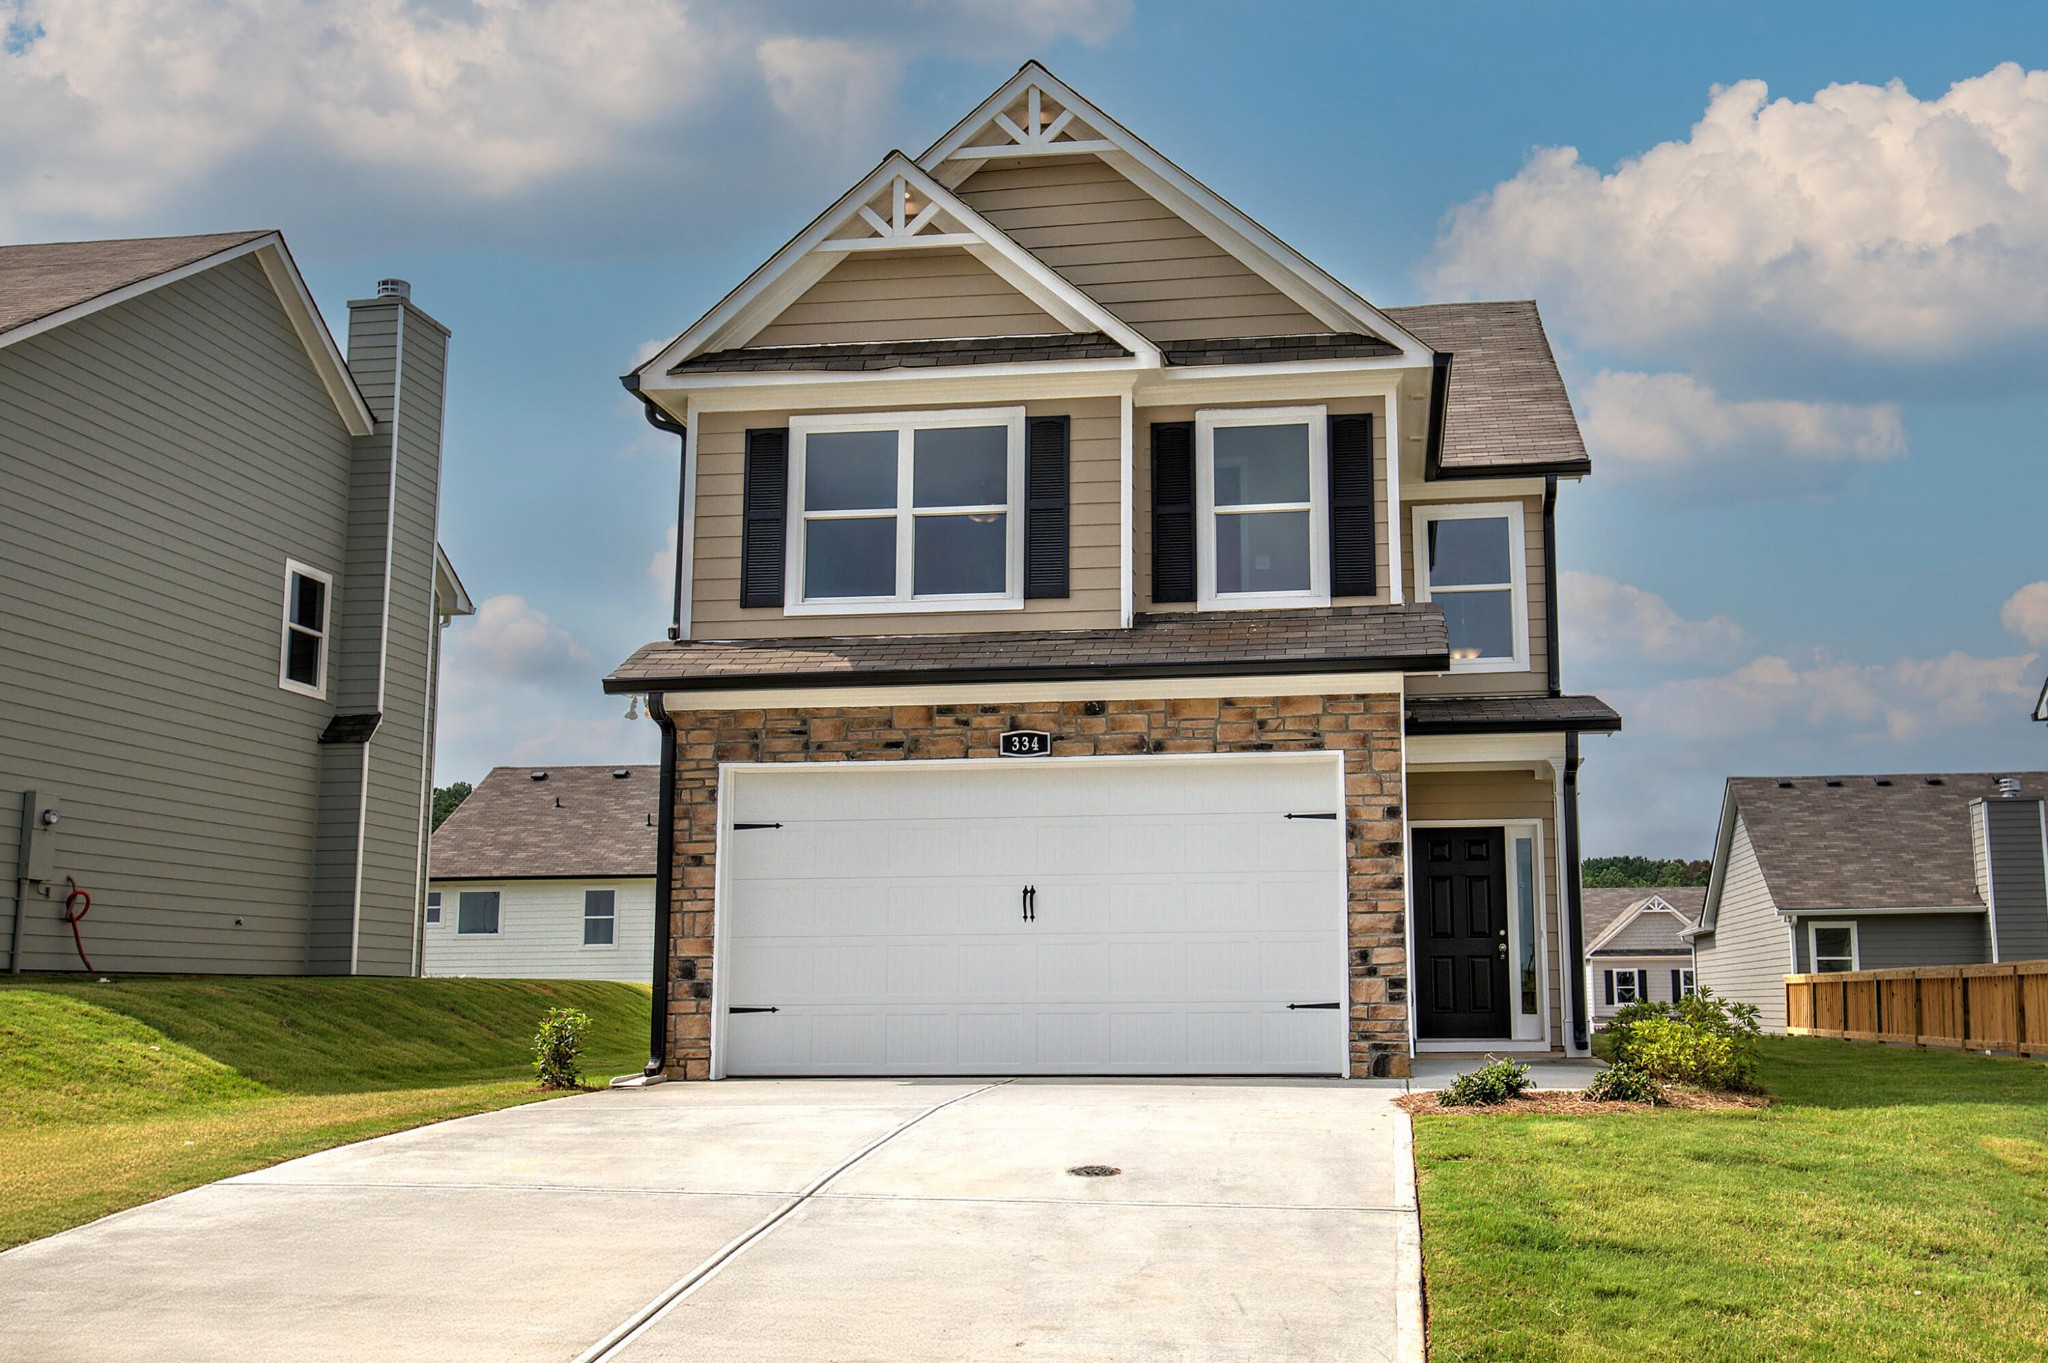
<point>537,776</point>
<point>621,774</point>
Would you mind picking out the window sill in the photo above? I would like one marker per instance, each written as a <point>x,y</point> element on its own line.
<point>963,605</point>
<point>1264,601</point>
<point>1459,665</point>
<point>301,689</point>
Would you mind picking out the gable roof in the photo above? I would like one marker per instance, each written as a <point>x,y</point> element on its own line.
<point>1504,408</point>
<point>579,822</point>
<point>1631,920</point>
<point>807,256</point>
<point>51,284</point>
<point>1830,844</point>
<point>988,131</point>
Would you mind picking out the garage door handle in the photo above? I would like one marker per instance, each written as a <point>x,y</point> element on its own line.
<point>1031,903</point>
<point>753,1010</point>
<point>1296,1007</point>
<point>1308,816</point>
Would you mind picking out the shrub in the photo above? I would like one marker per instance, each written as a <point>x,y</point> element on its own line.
<point>1624,1083</point>
<point>1491,1084</point>
<point>558,1048</point>
<point>1705,1040</point>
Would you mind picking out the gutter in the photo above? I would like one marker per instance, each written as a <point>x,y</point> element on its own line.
<point>664,892</point>
<point>1575,927</point>
<point>660,420</point>
<point>1439,403</point>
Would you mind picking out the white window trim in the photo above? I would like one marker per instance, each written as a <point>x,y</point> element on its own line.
<point>292,568</point>
<point>1206,423</point>
<point>1529,1030</point>
<point>436,908</point>
<point>800,430</point>
<point>1518,573</point>
<point>1633,979</point>
<point>613,918</point>
<point>1688,983</point>
<point>1812,949</point>
<point>497,930</point>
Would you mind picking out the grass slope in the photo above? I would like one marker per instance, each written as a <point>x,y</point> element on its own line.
<point>116,1094</point>
<point>1893,1204</point>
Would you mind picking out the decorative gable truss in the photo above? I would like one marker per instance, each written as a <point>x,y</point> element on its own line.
<point>1035,114</point>
<point>897,207</point>
<point>1652,904</point>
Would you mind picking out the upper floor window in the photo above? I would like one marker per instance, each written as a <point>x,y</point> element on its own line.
<point>1261,483</point>
<point>906,512</point>
<point>302,661</point>
<point>1470,560</point>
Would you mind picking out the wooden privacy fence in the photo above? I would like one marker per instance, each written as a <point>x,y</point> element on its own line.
<point>1964,1007</point>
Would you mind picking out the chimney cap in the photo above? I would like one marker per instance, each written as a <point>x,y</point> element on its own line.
<point>394,288</point>
<point>2008,787</point>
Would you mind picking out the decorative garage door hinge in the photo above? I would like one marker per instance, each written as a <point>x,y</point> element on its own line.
<point>1310,816</point>
<point>739,826</point>
<point>738,1009</point>
<point>1295,1007</point>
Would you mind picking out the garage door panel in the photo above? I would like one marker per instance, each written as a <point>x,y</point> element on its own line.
<point>1177,914</point>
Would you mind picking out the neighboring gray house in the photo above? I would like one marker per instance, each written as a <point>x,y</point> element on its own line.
<point>1821,873</point>
<point>547,873</point>
<point>220,605</point>
<point>1634,949</point>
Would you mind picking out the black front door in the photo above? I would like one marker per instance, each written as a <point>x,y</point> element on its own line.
<point>1461,933</point>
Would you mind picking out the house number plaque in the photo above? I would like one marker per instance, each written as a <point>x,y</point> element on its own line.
<point>1025,743</point>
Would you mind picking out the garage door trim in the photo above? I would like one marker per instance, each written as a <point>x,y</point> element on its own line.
<point>730,773</point>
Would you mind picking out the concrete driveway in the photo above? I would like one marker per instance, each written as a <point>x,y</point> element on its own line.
<point>752,1220</point>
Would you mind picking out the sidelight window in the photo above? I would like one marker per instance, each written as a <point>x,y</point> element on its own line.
<point>906,512</point>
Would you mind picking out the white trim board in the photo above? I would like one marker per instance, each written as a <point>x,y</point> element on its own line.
<point>292,294</point>
<point>991,693</point>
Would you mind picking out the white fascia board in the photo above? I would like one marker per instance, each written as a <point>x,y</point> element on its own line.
<point>800,263</point>
<point>1478,751</point>
<point>455,597</point>
<point>1471,490</point>
<point>1724,842</point>
<point>1279,264</point>
<point>992,693</point>
<point>292,294</point>
<point>970,385</point>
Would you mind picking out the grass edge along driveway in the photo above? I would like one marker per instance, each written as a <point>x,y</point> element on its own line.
<point>118,1094</point>
<point>1891,1204</point>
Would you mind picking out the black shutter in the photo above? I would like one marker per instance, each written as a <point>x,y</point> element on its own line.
<point>1352,570</point>
<point>1173,511</point>
<point>1643,985</point>
<point>764,519</point>
<point>1045,506</point>
<point>1676,992</point>
<point>1610,986</point>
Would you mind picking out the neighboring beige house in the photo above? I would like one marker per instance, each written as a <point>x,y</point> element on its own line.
<point>1826,873</point>
<point>547,873</point>
<point>1635,949</point>
<point>221,601</point>
<point>1096,628</point>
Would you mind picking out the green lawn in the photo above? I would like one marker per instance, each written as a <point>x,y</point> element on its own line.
<point>1892,1204</point>
<point>116,1094</point>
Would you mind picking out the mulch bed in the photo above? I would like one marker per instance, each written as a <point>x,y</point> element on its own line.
<point>1570,1104</point>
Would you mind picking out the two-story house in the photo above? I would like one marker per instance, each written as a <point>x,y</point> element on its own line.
<point>221,598</point>
<point>1105,643</point>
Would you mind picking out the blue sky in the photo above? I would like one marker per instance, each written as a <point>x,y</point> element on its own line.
<point>1803,330</point>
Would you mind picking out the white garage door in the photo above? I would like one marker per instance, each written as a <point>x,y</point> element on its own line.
<point>1070,916</point>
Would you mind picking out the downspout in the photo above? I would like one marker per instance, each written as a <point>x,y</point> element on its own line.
<point>1439,404</point>
<point>660,420</point>
<point>664,887</point>
<point>1550,581</point>
<point>1574,933</point>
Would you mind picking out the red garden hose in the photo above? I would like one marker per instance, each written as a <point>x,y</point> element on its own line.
<point>72,917</point>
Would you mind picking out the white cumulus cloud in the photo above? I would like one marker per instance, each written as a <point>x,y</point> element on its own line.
<point>511,641</point>
<point>2025,614</point>
<point>1864,220</point>
<point>1673,427</point>
<point>1604,620</point>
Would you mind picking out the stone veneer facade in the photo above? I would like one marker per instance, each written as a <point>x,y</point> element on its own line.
<point>1365,728</point>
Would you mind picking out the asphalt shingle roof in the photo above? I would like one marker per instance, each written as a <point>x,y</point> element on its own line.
<point>877,355</point>
<point>44,278</point>
<point>1653,934</point>
<point>1328,345</point>
<point>1885,842</point>
<point>511,827</point>
<point>1519,714</point>
<point>1506,409</point>
<point>1212,643</point>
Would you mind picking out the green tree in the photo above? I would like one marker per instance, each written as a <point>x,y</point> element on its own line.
<point>446,798</point>
<point>1641,872</point>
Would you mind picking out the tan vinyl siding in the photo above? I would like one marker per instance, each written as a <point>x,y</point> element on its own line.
<point>1536,680</point>
<point>162,459</point>
<point>1141,474</point>
<point>1095,601</point>
<point>1488,797</point>
<point>1747,956</point>
<point>926,294</point>
<point>1130,252</point>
